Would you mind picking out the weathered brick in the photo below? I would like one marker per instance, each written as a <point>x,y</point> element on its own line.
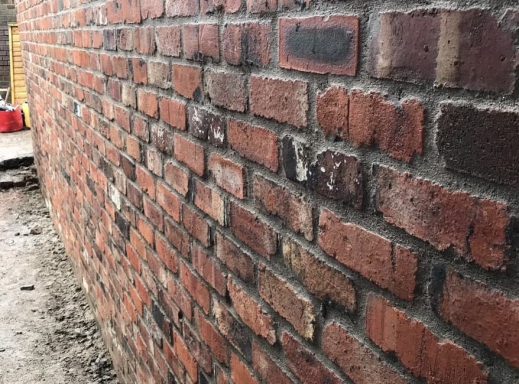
<point>168,40</point>
<point>418,349</point>
<point>148,103</point>
<point>461,49</point>
<point>187,81</point>
<point>320,279</point>
<point>247,44</point>
<point>278,201</point>
<point>266,367</point>
<point>483,313</point>
<point>388,265</point>
<point>232,329</point>
<point>207,126</point>
<point>208,268</point>
<point>181,8</point>
<point>333,107</point>
<point>251,312</point>
<point>212,337</point>
<point>227,90</point>
<point>152,9</point>
<point>173,112</point>
<point>396,129</point>
<point>296,159</point>
<point>196,288</point>
<point>209,201</point>
<point>254,143</point>
<point>253,231</point>
<point>240,373</point>
<point>286,300</point>
<point>480,142</point>
<point>285,101</point>
<point>176,177</point>
<point>320,44</point>
<point>339,177</point>
<point>234,258</point>
<point>305,364</point>
<point>228,175</point>
<point>356,359</point>
<point>196,226</point>
<point>190,153</point>
<point>169,201</point>
<point>476,229</point>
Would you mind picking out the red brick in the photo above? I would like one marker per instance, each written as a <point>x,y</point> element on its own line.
<point>253,314</point>
<point>209,42</point>
<point>145,40</point>
<point>214,340</point>
<point>261,6</point>
<point>169,201</point>
<point>418,349</point>
<point>153,213</point>
<point>146,181</point>
<point>177,237</point>
<point>173,112</point>
<point>305,364</point>
<point>195,287</point>
<point>227,90</point>
<point>209,269</point>
<point>168,40</point>
<point>253,231</point>
<point>286,300</point>
<point>396,129</point>
<point>356,359</point>
<point>209,201</point>
<point>376,258</point>
<point>280,202</point>
<point>196,226</point>
<point>177,178</point>
<point>140,71</point>
<point>167,254</point>
<point>148,103</point>
<point>212,6</point>
<point>320,44</point>
<point>247,43</point>
<point>181,8</point>
<point>266,367</point>
<point>235,259</point>
<point>333,112</point>
<point>152,9</point>
<point>233,330</point>
<point>186,358</point>
<point>321,280</point>
<point>159,74</point>
<point>228,175</point>
<point>254,143</point>
<point>240,373</point>
<point>474,228</point>
<point>441,46</point>
<point>483,313</point>
<point>201,42</point>
<point>285,101</point>
<point>187,81</point>
<point>191,154</point>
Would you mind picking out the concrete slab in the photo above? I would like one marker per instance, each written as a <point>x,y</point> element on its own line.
<point>15,147</point>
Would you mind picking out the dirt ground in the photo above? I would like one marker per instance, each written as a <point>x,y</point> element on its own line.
<point>47,331</point>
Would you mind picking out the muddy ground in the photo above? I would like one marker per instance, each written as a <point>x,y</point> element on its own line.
<point>47,330</point>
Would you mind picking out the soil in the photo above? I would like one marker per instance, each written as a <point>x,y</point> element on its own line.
<point>48,333</point>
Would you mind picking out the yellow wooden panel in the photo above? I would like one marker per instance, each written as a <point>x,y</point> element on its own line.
<point>18,88</point>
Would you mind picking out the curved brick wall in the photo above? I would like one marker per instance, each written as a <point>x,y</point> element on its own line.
<point>281,191</point>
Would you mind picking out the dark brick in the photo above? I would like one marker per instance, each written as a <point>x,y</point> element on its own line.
<point>480,142</point>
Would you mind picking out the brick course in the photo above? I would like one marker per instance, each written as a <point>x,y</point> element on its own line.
<point>285,191</point>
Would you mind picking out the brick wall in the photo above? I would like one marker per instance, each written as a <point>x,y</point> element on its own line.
<point>286,191</point>
<point>7,15</point>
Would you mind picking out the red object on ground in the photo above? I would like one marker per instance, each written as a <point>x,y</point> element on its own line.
<point>11,121</point>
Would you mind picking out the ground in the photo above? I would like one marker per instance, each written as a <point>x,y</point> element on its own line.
<point>48,333</point>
